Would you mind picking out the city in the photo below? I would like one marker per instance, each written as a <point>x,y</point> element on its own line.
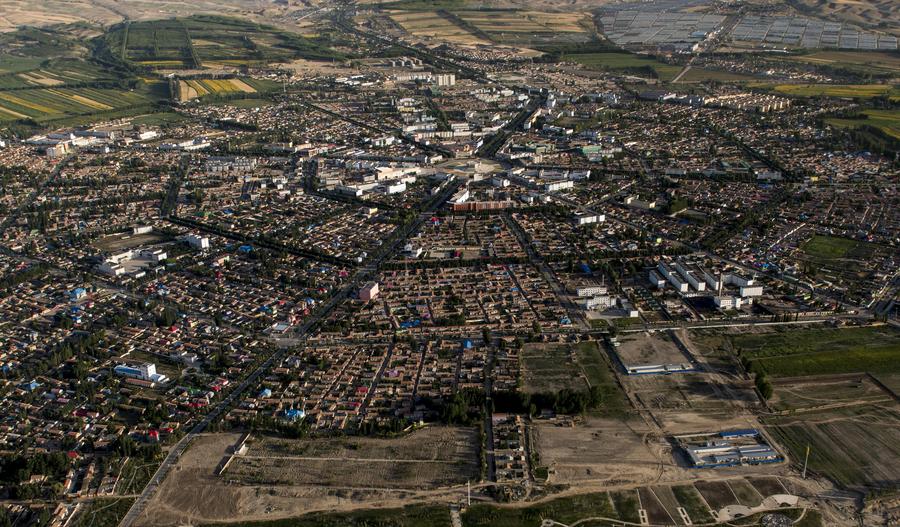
<point>449,263</point>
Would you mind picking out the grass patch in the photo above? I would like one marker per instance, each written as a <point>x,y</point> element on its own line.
<point>599,373</point>
<point>135,475</point>
<point>411,516</point>
<point>690,499</point>
<point>626,63</point>
<point>103,513</point>
<point>704,75</point>
<point>833,248</point>
<point>565,510</point>
<point>626,505</point>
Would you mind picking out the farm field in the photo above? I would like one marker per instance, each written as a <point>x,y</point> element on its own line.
<point>863,61</point>
<point>410,516</point>
<point>855,447</point>
<point>551,367</point>
<point>206,40</point>
<point>704,75</point>
<point>530,28</point>
<point>888,121</point>
<point>13,63</point>
<point>53,103</point>
<point>566,510</point>
<point>626,63</point>
<point>191,89</point>
<point>598,372</point>
<point>693,503</point>
<point>839,259</point>
<point>660,503</point>
<point>435,25</point>
<point>822,350</point>
<point>53,73</point>
<point>818,391</point>
<point>855,91</point>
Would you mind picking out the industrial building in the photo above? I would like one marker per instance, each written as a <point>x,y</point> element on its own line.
<point>729,449</point>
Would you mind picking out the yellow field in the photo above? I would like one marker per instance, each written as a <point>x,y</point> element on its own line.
<point>40,78</point>
<point>6,112</point>
<point>193,88</point>
<point>26,104</point>
<point>83,100</point>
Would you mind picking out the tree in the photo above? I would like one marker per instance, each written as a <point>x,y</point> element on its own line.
<point>764,386</point>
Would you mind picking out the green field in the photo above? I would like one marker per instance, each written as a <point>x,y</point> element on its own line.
<point>598,373</point>
<point>14,63</point>
<point>207,41</point>
<point>825,248</point>
<point>856,61</point>
<point>822,351</point>
<point>855,91</point>
<point>888,121</point>
<point>704,75</point>
<point>54,72</point>
<point>692,502</point>
<point>626,63</point>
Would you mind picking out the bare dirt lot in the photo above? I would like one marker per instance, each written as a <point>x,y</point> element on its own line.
<point>435,457</point>
<point>194,494</point>
<point>607,451</point>
<point>642,349</point>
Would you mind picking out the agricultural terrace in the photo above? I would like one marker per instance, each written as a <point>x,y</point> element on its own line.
<point>208,41</point>
<point>626,63</point>
<point>52,73</point>
<point>47,104</point>
<point>821,351</point>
